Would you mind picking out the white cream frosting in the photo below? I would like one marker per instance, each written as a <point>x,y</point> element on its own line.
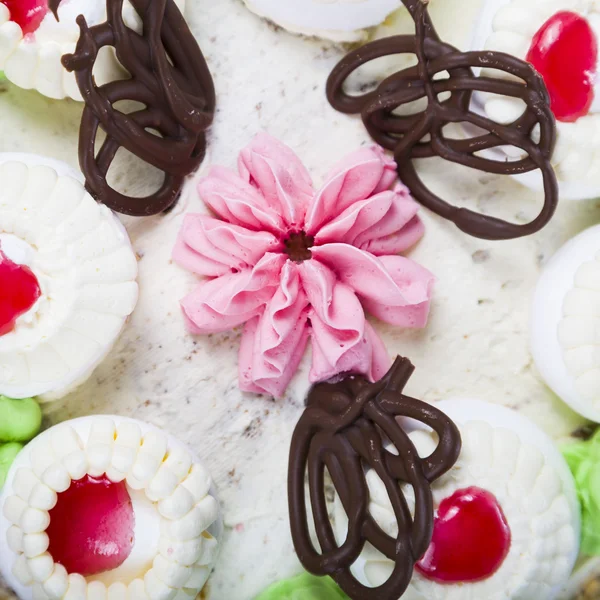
<point>508,456</point>
<point>509,26</point>
<point>178,525</point>
<point>33,61</point>
<point>566,323</point>
<point>336,20</point>
<point>86,269</point>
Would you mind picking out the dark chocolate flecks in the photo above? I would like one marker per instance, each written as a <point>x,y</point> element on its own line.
<point>445,72</point>
<point>169,76</point>
<point>346,429</point>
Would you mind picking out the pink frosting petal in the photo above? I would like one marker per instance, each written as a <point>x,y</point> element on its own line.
<point>397,242</point>
<point>230,300</point>
<point>273,344</point>
<point>278,174</point>
<point>357,177</point>
<point>341,338</point>
<point>395,289</point>
<point>385,223</point>
<point>211,247</point>
<point>237,202</point>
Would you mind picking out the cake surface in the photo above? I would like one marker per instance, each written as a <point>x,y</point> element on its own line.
<point>476,343</point>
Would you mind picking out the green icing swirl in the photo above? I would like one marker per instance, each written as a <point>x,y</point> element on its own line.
<point>304,587</point>
<point>583,459</point>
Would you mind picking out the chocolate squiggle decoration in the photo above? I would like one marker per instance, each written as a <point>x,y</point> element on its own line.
<point>421,135</point>
<point>345,429</point>
<point>53,6</point>
<point>169,76</point>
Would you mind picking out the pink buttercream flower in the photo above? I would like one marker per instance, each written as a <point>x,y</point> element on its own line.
<point>294,264</point>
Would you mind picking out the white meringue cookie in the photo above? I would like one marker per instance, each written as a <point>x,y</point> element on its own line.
<point>565,323</point>
<point>509,26</point>
<point>336,20</point>
<point>159,566</point>
<point>33,61</point>
<point>542,513</point>
<point>79,252</point>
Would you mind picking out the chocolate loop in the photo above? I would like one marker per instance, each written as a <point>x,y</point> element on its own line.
<point>347,429</point>
<point>444,72</point>
<point>169,76</point>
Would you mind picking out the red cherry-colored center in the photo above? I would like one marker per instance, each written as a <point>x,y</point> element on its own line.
<point>19,291</point>
<point>92,526</point>
<point>565,52</point>
<point>28,14</point>
<point>471,539</point>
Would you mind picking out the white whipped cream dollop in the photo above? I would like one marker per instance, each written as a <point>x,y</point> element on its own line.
<point>336,20</point>
<point>508,456</point>
<point>565,323</point>
<point>510,26</point>
<point>85,266</point>
<point>33,61</point>
<point>177,518</point>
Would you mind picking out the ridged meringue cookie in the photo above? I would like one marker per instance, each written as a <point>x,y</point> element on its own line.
<point>565,324</point>
<point>506,455</point>
<point>510,26</point>
<point>177,517</point>
<point>86,270</point>
<point>336,20</point>
<point>33,60</point>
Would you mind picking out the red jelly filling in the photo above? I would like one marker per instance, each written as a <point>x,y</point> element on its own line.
<point>471,538</point>
<point>92,526</point>
<point>565,52</point>
<point>28,14</point>
<point>19,291</point>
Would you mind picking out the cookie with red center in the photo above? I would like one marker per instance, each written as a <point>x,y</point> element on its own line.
<point>506,514</point>
<point>33,39</point>
<point>561,40</point>
<point>107,507</point>
<point>67,275</point>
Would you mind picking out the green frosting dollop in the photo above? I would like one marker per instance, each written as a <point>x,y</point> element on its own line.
<point>583,459</point>
<point>20,420</point>
<point>304,587</point>
<point>8,453</point>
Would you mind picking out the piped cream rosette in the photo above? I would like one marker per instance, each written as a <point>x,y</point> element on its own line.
<point>508,456</point>
<point>336,20</point>
<point>33,61</point>
<point>565,324</point>
<point>85,266</point>
<point>177,517</point>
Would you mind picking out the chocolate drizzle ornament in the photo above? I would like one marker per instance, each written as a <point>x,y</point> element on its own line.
<point>347,428</point>
<point>169,76</point>
<point>442,70</point>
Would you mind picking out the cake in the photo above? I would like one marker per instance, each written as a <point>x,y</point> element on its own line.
<point>177,373</point>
